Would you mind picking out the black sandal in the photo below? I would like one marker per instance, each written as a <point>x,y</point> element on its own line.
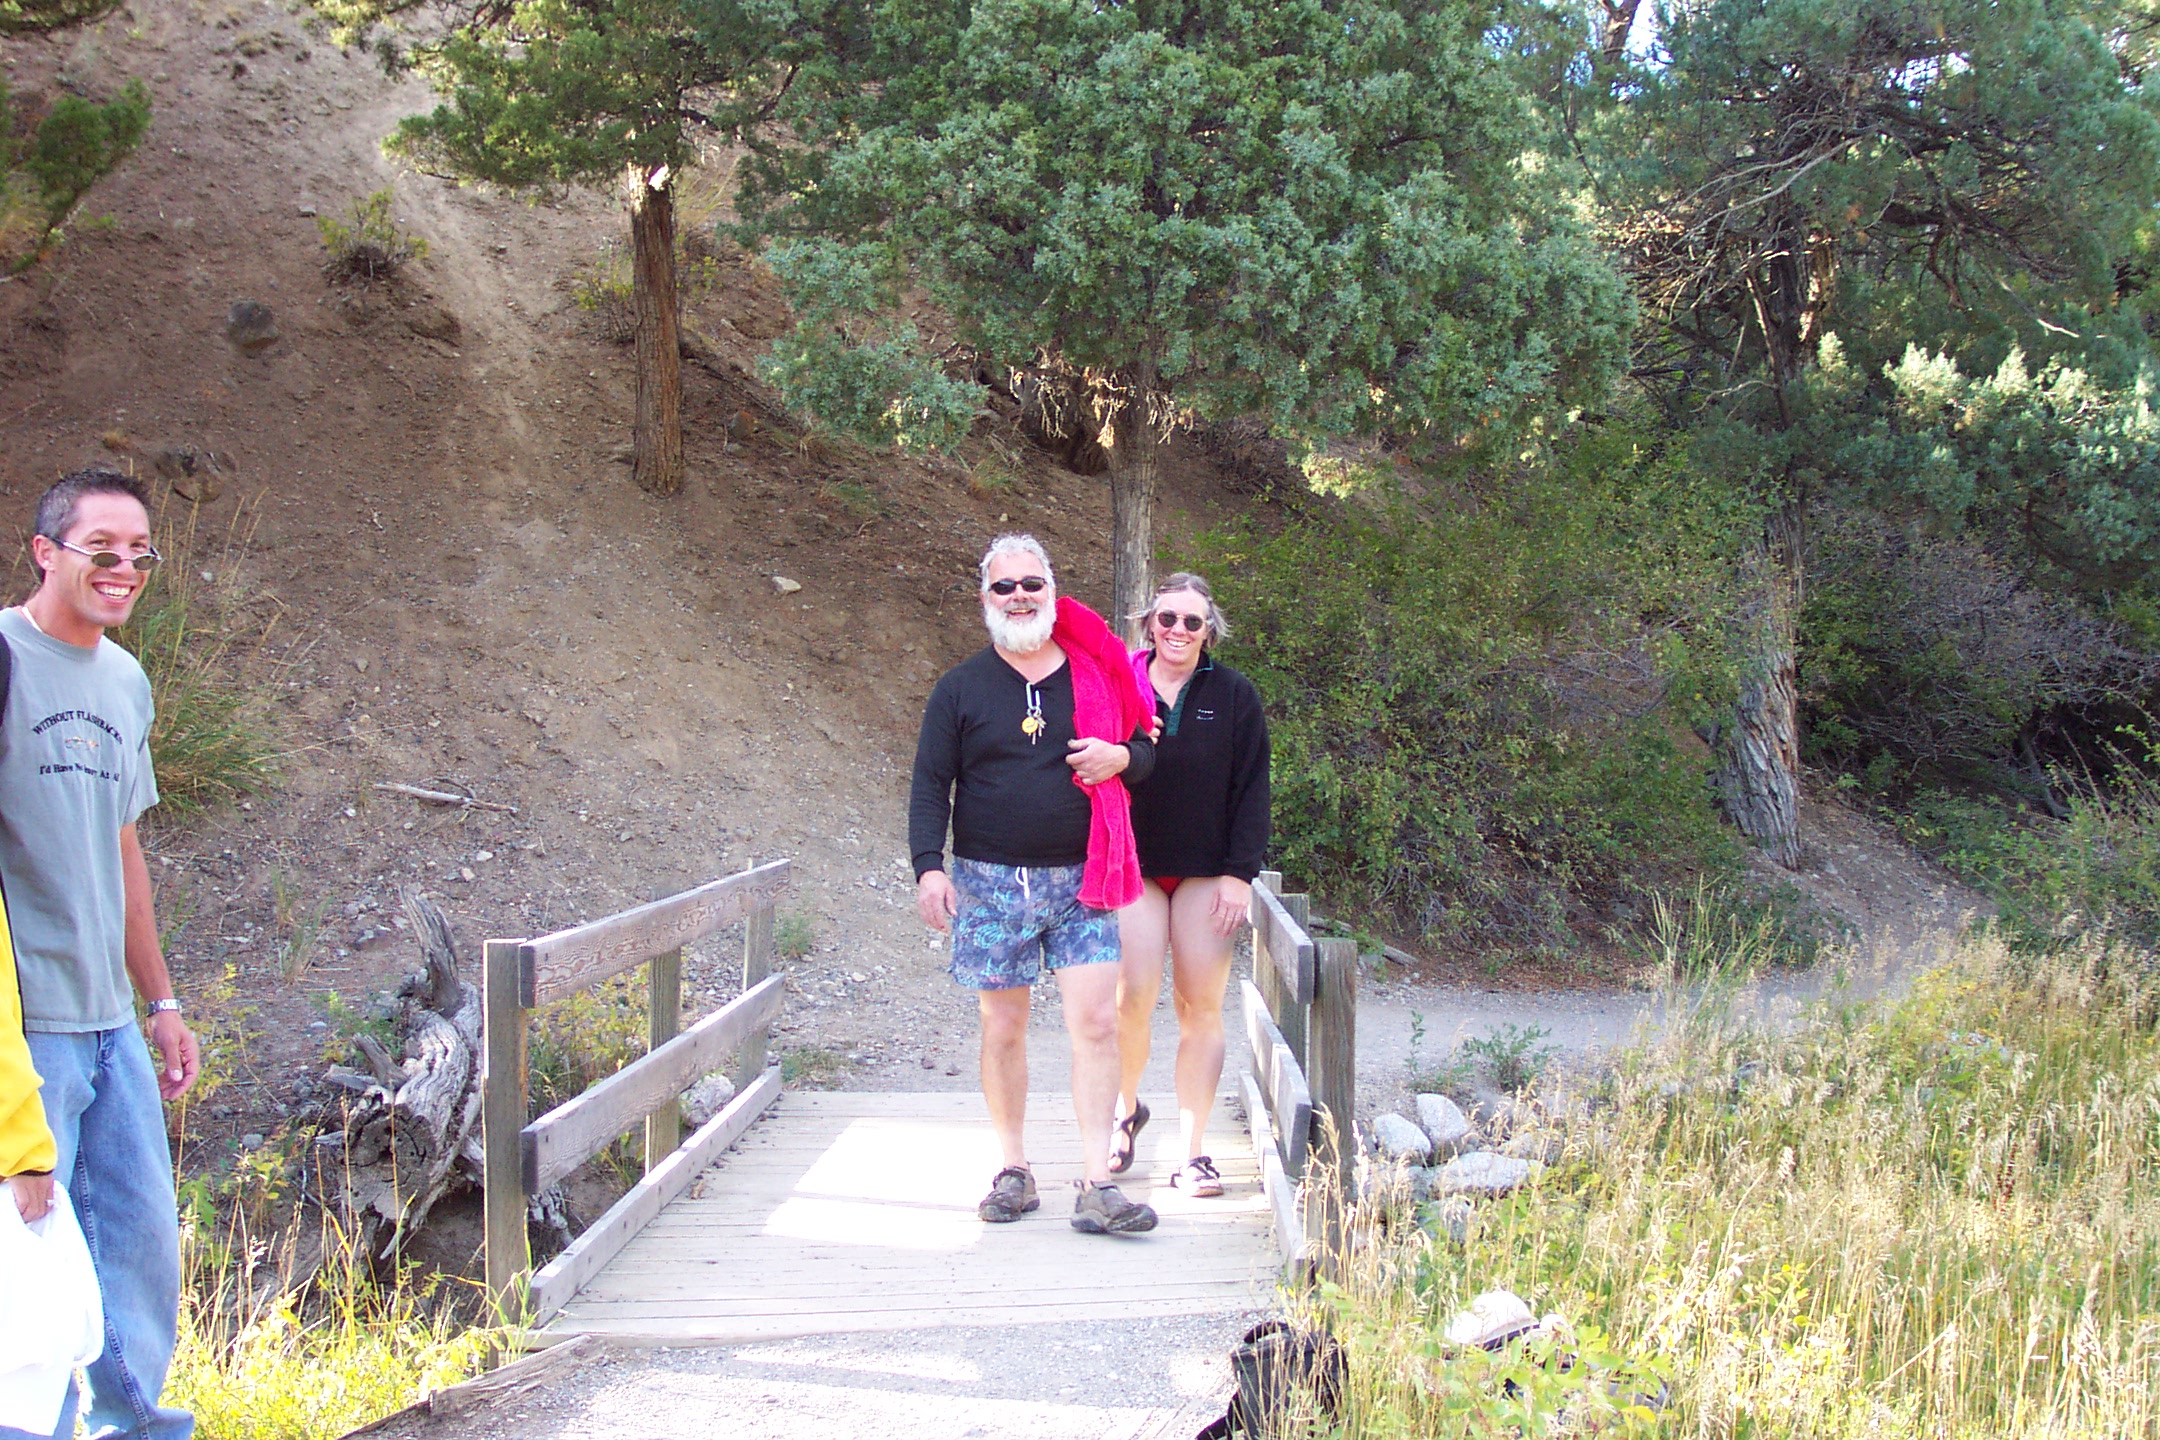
<point>1128,1130</point>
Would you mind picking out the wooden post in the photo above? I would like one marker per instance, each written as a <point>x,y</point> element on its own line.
<point>1290,1016</point>
<point>1267,967</point>
<point>663,1127</point>
<point>1332,1077</point>
<point>756,966</point>
<point>502,1116</point>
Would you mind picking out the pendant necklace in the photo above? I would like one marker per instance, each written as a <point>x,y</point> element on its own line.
<point>1032,727</point>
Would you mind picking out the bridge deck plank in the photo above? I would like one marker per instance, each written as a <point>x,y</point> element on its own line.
<point>851,1211</point>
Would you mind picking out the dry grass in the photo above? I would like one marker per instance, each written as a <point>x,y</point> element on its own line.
<point>1941,1219</point>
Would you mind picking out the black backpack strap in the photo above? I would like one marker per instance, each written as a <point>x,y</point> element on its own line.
<point>7,672</point>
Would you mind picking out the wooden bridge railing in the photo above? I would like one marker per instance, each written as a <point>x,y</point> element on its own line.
<point>1301,1093</point>
<point>524,1159</point>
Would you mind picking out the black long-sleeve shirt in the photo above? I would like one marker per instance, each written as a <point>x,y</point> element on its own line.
<point>1010,800</point>
<point>1204,811</point>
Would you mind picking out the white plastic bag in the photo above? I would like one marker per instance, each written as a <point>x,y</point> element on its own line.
<point>51,1318</point>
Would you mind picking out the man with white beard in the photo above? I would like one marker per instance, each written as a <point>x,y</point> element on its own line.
<point>1040,864</point>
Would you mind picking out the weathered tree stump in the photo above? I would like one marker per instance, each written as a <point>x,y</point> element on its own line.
<point>410,1134</point>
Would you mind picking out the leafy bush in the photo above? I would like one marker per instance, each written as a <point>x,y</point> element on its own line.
<point>372,247</point>
<point>2097,870</point>
<point>49,165</point>
<point>29,17</point>
<point>1479,707</point>
<point>1937,1219</point>
<point>1926,656</point>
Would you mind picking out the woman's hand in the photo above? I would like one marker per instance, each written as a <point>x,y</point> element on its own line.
<point>1233,898</point>
<point>33,1195</point>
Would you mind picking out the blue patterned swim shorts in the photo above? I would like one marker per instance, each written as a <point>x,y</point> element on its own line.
<point>1016,920</point>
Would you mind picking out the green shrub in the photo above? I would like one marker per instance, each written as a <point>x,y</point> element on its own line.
<point>2097,869</point>
<point>48,166</point>
<point>582,1039</point>
<point>29,17</point>
<point>1924,657</point>
<point>1937,1219</point>
<point>372,247</point>
<point>1479,706</point>
<point>209,742</point>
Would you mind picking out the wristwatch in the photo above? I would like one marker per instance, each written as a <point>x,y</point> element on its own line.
<point>159,1007</point>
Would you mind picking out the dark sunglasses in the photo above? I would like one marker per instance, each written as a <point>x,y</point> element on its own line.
<point>109,560</point>
<point>1168,620</point>
<point>1033,584</point>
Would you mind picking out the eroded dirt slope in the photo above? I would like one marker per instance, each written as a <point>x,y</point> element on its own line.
<point>427,520</point>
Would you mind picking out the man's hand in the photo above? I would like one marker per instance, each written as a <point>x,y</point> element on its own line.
<point>179,1058</point>
<point>1233,897</point>
<point>1095,761</point>
<point>33,1195</point>
<point>936,901</point>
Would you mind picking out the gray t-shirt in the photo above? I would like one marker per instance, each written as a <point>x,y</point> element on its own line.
<point>74,769</point>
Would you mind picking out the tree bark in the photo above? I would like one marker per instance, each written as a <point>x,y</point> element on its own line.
<point>1133,450</point>
<point>1758,773</point>
<point>658,435</point>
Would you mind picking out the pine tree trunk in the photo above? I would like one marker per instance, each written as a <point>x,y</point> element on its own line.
<point>658,433</point>
<point>1758,772</point>
<point>1133,453</point>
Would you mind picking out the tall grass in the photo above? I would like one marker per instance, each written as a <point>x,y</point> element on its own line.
<point>208,741</point>
<point>262,1359</point>
<point>1941,1219</point>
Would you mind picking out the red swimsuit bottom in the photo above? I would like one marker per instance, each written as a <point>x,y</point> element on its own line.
<point>1169,883</point>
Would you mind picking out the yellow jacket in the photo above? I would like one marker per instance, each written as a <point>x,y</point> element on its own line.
<point>26,1144</point>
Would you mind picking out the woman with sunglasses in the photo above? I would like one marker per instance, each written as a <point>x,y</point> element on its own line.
<point>1201,820</point>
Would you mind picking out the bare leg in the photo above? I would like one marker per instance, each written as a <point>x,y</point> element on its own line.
<point>1200,972</point>
<point>1091,1019</point>
<point>1143,937</point>
<point>1004,1067</point>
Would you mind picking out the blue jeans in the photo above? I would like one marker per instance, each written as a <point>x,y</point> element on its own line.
<point>101,1100</point>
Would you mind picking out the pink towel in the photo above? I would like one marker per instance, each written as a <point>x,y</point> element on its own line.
<point>1107,705</point>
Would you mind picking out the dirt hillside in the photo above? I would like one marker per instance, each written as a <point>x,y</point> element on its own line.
<point>426,518</point>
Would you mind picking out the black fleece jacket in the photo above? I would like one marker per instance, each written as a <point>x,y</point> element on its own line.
<point>1204,809</point>
<point>1011,800</point>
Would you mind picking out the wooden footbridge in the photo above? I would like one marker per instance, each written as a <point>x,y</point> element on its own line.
<point>827,1212</point>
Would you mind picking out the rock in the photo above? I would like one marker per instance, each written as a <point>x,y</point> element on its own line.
<point>1444,1123</point>
<point>707,1098</point>
<point>250,325</point>
<point>784,585</point>
<point>1483,1174</point>
<point>307,212</point>
<point>1493,1319</point>
<point>1543,1145</point>
<point>1455,1217</point>
<point>251,1141</point>
<point>432,322</point>
<point>1399,1139</point>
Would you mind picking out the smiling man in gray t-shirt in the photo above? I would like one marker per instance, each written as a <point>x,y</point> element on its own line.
<point>74,778</point>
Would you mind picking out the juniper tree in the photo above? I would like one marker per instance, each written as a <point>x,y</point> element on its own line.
<point>1328,213</point>
<point>554,93</point>
<point>1961,173</point>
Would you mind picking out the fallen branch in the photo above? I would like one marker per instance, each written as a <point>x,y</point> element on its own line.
<point>1400,957</point>
<point>443,797</point>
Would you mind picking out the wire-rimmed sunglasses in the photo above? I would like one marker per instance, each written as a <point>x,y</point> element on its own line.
<point>113,560</point>
<point>1169,619</point>
<point>1033,584</point>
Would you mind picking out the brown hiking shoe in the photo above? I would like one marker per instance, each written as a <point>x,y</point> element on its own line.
<point>1104,1210</point>
<point>1011,1195</point>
